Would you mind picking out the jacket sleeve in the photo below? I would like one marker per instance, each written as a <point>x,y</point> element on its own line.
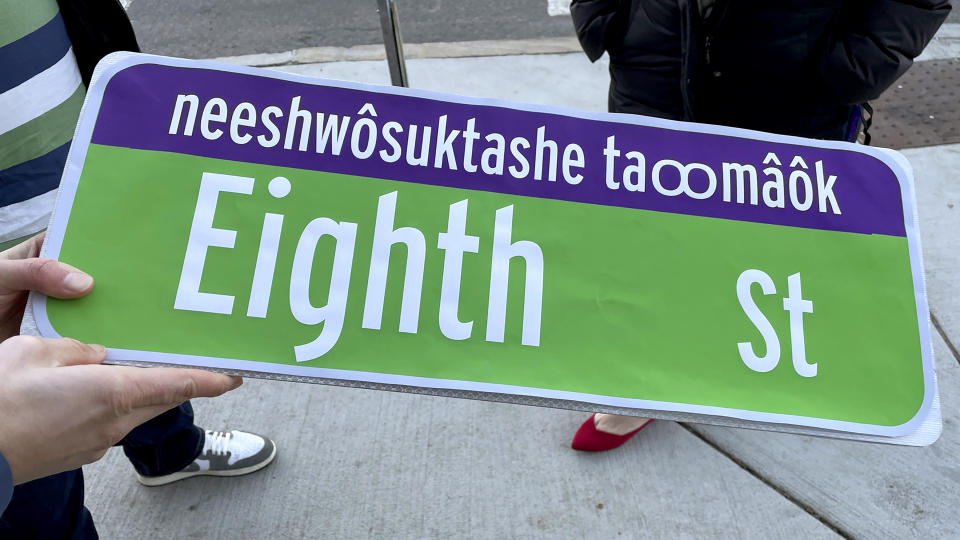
<point>6,484</point>
<point>598,23</point>
<point>96,29</point>
<point>872,45</point>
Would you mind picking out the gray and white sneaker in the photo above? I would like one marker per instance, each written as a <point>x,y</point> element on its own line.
<point>225,453</point>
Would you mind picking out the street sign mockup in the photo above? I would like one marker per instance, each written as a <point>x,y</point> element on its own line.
<point>285,226</point>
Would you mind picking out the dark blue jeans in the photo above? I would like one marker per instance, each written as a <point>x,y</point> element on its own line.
<point>52,507</point>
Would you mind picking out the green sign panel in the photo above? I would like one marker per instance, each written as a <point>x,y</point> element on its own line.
<point>285,226</point>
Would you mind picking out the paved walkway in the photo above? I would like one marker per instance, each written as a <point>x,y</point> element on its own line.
<point>365,464</point>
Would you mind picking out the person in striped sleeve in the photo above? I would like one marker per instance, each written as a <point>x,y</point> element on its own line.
<point>47,53</point>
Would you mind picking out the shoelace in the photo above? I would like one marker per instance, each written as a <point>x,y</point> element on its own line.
<point>217,442</point>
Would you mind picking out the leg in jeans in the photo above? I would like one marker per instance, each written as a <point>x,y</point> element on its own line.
<point>165,449</point>
<point>50,507</point>
<point>165,444</point>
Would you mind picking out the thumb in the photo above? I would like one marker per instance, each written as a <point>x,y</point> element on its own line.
<point>47,276</point>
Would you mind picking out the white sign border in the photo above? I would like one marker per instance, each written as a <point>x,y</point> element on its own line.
<point>117,62</point>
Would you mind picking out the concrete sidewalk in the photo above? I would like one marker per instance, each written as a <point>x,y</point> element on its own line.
<point>365,464</point>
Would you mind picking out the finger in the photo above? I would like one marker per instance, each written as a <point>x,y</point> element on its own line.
<point>75,353</point>
<point>55,352</point>
<point>159,387</point>
<point>144,414</point>
<point>48,276</point>
<point>26,249</point>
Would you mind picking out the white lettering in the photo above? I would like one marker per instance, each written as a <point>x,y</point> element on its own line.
<point>384,237</point>
<point>769,360</point>
<point>203,236</point>
<point>503,251</point>
<point>455,242</point>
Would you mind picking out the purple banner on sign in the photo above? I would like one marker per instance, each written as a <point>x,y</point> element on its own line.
<point>642,167</point>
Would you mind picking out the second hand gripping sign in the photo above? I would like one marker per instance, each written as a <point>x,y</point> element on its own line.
<point>290,227</point>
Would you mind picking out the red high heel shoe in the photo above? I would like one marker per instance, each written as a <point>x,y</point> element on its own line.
<point>591,439</point>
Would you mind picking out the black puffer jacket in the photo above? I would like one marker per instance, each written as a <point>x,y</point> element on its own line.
<point>797,67</point>
<point>96,29</point>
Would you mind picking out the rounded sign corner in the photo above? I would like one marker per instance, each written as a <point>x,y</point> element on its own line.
<point>918,419</point>
<point>898,164</point>
<point>113,64</point>
<point>42,317</point>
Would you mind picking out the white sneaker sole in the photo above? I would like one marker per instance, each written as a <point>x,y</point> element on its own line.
<point>154,481</point>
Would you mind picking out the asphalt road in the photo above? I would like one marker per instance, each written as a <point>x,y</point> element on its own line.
<point>211,28</point>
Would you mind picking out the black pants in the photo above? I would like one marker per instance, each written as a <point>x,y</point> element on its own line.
<point>52,507</point>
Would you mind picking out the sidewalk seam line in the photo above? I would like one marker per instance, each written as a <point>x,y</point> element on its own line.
<point>297,62</point>
<point>433,50</point>
<point>944,336</point>
<point>754,473</point>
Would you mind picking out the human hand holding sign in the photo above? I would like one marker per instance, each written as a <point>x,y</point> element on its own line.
<point>59,407</point>
<point>21,271</point>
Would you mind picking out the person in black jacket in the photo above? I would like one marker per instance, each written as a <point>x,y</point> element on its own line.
<point>792,67</point>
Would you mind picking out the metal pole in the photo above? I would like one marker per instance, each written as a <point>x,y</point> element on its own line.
<point>390,24</point>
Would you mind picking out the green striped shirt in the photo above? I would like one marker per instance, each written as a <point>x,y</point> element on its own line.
<point>40,98</point>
